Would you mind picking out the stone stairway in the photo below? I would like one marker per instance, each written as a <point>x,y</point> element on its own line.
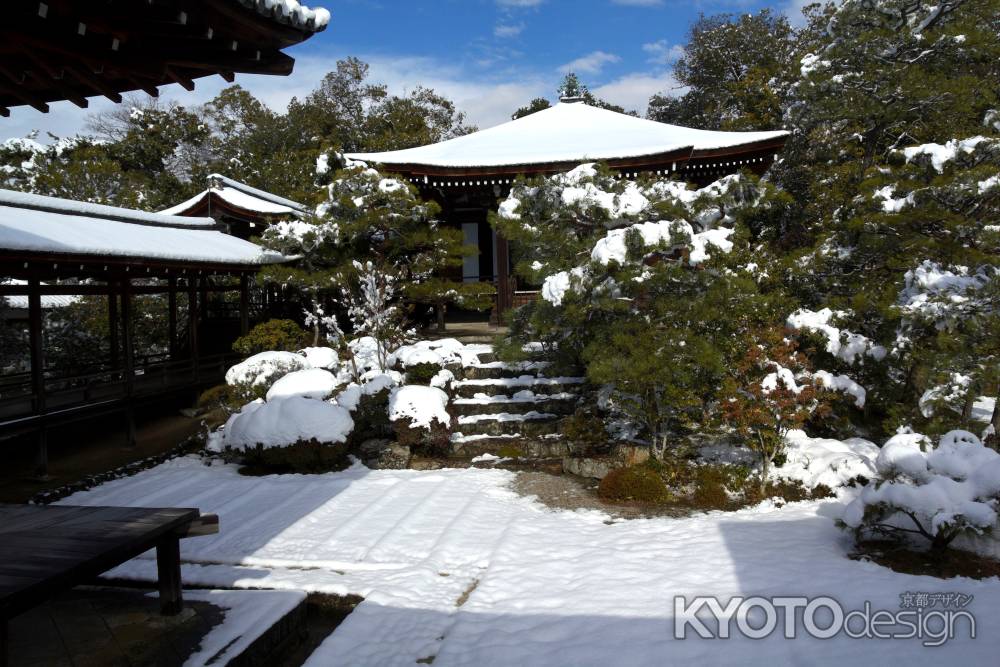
<point>502,409</point>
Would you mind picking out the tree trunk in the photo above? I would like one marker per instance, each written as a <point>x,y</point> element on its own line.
<point>765,468</point>
<point>440,309</point>
<point>970,403</point>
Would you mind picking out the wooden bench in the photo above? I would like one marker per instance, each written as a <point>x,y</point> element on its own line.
<point>48,549</point>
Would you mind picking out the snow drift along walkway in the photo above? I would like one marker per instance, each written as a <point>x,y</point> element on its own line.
<point>455,565</point>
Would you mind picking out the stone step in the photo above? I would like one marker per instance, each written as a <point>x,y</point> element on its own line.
<point>497,369</point>
<point>560,404</point>
<point>527,425</point>
<point>509,446</point>
<point>487,357</point>
<point>510,386</point>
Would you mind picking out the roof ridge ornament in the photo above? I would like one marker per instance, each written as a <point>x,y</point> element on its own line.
<point>572,91</point>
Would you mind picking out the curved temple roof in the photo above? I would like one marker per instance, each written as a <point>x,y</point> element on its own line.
<point>240,196</point>
<point>75,49</point>
<point>292,13</point>
<point>568,133</point>
<point>34,224</point>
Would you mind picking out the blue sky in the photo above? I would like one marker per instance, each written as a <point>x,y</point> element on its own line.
<point>488,56</point>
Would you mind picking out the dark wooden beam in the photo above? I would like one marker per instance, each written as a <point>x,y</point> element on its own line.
<point>179,78</point>
<point>67,91</point>
<point>18,93</point>
<point>96,83</point>
<point>114,326</point>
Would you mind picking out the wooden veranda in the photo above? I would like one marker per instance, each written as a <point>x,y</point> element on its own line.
<point>33,401</point>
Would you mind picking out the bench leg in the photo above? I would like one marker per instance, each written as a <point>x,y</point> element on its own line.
<point>168,570</point>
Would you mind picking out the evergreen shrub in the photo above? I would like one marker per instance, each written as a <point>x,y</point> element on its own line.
<point>639,483</point>
<point>276,335</point>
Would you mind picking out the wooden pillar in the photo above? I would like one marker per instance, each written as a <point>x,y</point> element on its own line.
<point>244,304</point>
<point>37,344</point>
<point>172,316</point>
<point>505,296</point>
<point>203,299</point>
<point>113,325</point>
<point>128,358</point>
<point>168,573</point>
<point>193,324</point>
<point>4,643</point>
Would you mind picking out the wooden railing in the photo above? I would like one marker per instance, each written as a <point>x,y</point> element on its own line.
<point>104,389</point>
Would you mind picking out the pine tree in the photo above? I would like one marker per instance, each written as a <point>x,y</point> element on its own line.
<point>648,286</point>
<point>889,88</point>
<point>735,70</point>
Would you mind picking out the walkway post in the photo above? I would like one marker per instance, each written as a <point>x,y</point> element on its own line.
<point>172,316</point>
<point>128,333</point>
<point>244,304</point>
<point>193,324</point>
<point>113,324</point>
<point>37,345</point>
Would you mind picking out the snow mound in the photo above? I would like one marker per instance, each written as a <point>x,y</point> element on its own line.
<point>422,405</point>
<point>372,383</point>
<point>310,383</point>
<point>286,421</point>
<point>834,463</point>
<point>321,357</point>
<point>265,368</point>
<point>442,352</point>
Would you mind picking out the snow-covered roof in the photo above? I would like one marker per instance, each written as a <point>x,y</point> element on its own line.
<point>292,13</point>
<point>241,196</point>
<point>37,224</point>
<point>565,133</point>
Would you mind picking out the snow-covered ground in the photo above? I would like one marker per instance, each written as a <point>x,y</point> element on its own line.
<point>248,614</point>
<point>454,564</point>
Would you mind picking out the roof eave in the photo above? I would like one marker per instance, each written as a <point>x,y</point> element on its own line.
<point>679,155</point>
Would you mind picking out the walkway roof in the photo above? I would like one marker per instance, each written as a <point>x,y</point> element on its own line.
<point>35,227</point>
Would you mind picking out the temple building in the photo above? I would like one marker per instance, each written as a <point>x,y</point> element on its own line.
<point>469,175</point>
<point>239,209</point>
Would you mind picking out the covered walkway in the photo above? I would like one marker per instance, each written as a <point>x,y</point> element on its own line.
<point>202,277</point>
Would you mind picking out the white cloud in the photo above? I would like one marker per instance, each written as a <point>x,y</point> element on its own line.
<point>639,3</point>
<point>633,91</point>
<point>592,63</point>
<point>508,30</point>
<point>793,10</point>
<point>519,3</point>
<point>662,52</point>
